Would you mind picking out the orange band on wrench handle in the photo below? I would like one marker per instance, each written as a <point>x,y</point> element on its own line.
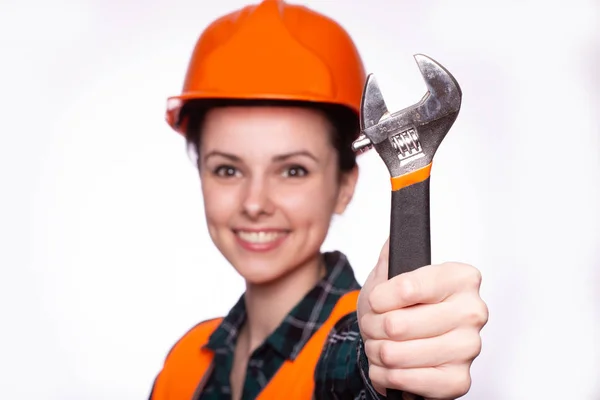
<point>416,176</point>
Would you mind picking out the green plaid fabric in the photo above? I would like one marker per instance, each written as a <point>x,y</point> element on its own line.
<point>342,370</point>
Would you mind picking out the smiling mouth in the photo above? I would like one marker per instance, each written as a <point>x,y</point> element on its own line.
<point>260,237</point>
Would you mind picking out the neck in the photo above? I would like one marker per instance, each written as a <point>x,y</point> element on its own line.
<point>268,304</point>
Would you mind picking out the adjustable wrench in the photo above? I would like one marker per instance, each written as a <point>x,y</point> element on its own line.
<point>407,141</point>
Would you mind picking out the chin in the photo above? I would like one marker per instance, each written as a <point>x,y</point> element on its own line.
<point>264,266</point>
<point>259,272</point>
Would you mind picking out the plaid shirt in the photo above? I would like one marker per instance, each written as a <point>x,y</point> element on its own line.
<point>342,371</point>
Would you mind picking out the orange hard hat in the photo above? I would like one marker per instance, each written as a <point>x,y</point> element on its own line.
<point>272,51</point>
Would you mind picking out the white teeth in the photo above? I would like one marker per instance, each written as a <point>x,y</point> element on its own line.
<point>259,237</point>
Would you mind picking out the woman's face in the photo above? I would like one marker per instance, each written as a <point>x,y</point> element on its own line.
<point>270,184</point>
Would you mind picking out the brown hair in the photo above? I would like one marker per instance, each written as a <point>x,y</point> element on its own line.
<point>344,123</point>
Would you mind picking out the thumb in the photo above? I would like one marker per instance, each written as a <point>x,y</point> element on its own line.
<point>376,276</point>
<point>380,272</point>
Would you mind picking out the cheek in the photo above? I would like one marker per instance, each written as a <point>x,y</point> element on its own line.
<point>219,202</point>
<point>309,205</point>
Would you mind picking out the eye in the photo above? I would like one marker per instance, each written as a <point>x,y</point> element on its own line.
<point>295,171</point>
<point>226,171</point>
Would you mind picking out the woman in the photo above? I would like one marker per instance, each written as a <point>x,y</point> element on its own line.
<point>270,106</point>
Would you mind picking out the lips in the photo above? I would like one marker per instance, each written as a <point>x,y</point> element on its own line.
<point>260,236</point>
<point>260,240</point>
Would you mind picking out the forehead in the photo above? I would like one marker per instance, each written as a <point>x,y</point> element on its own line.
<point>267,128</point>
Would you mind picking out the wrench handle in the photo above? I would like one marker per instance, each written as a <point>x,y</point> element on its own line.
<point>410,236</point>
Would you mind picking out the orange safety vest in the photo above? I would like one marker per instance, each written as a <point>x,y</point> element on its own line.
<point>188,365</point>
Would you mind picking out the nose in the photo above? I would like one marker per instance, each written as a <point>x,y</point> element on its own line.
<point>257,201</point>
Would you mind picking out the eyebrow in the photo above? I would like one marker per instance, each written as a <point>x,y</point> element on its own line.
<point>285,156</point>
<point>278,158</point>
<point>215,153</point>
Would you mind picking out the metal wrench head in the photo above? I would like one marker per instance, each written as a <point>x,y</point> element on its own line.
<point>408,139</point>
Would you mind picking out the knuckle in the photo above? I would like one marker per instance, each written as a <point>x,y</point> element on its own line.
<point>375,377</point>
<point>392,326</point>
<point>396,379</point>
<point>461,383</point>
<point>364,324</point>
<point>470,275</point>
<point>478,314</point>
<point>407,289</point>
<point>369,350</point>
<point>372,375</point>
<point>477,346</point>
<point>386,354</point>
<point>473,347</point>
<point>485,313</point>
<point>372,300</point>
<point>474,277</point>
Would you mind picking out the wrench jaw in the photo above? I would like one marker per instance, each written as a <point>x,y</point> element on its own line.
<point>372,110</point>
<point>372,105</point>
<point>407,140</point>
<point>443,95</point>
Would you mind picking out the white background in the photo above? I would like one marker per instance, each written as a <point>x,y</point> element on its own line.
<point>105,260</point>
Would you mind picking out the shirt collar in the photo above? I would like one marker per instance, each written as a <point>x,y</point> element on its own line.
<point>303,321</point>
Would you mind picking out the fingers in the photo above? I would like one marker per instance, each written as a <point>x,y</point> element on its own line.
<point>429,284</point>
<point>448,382</point>
<point>457,346</point>
<point>415,322</point>
<point>421,329</point>
<point>425,320</point>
